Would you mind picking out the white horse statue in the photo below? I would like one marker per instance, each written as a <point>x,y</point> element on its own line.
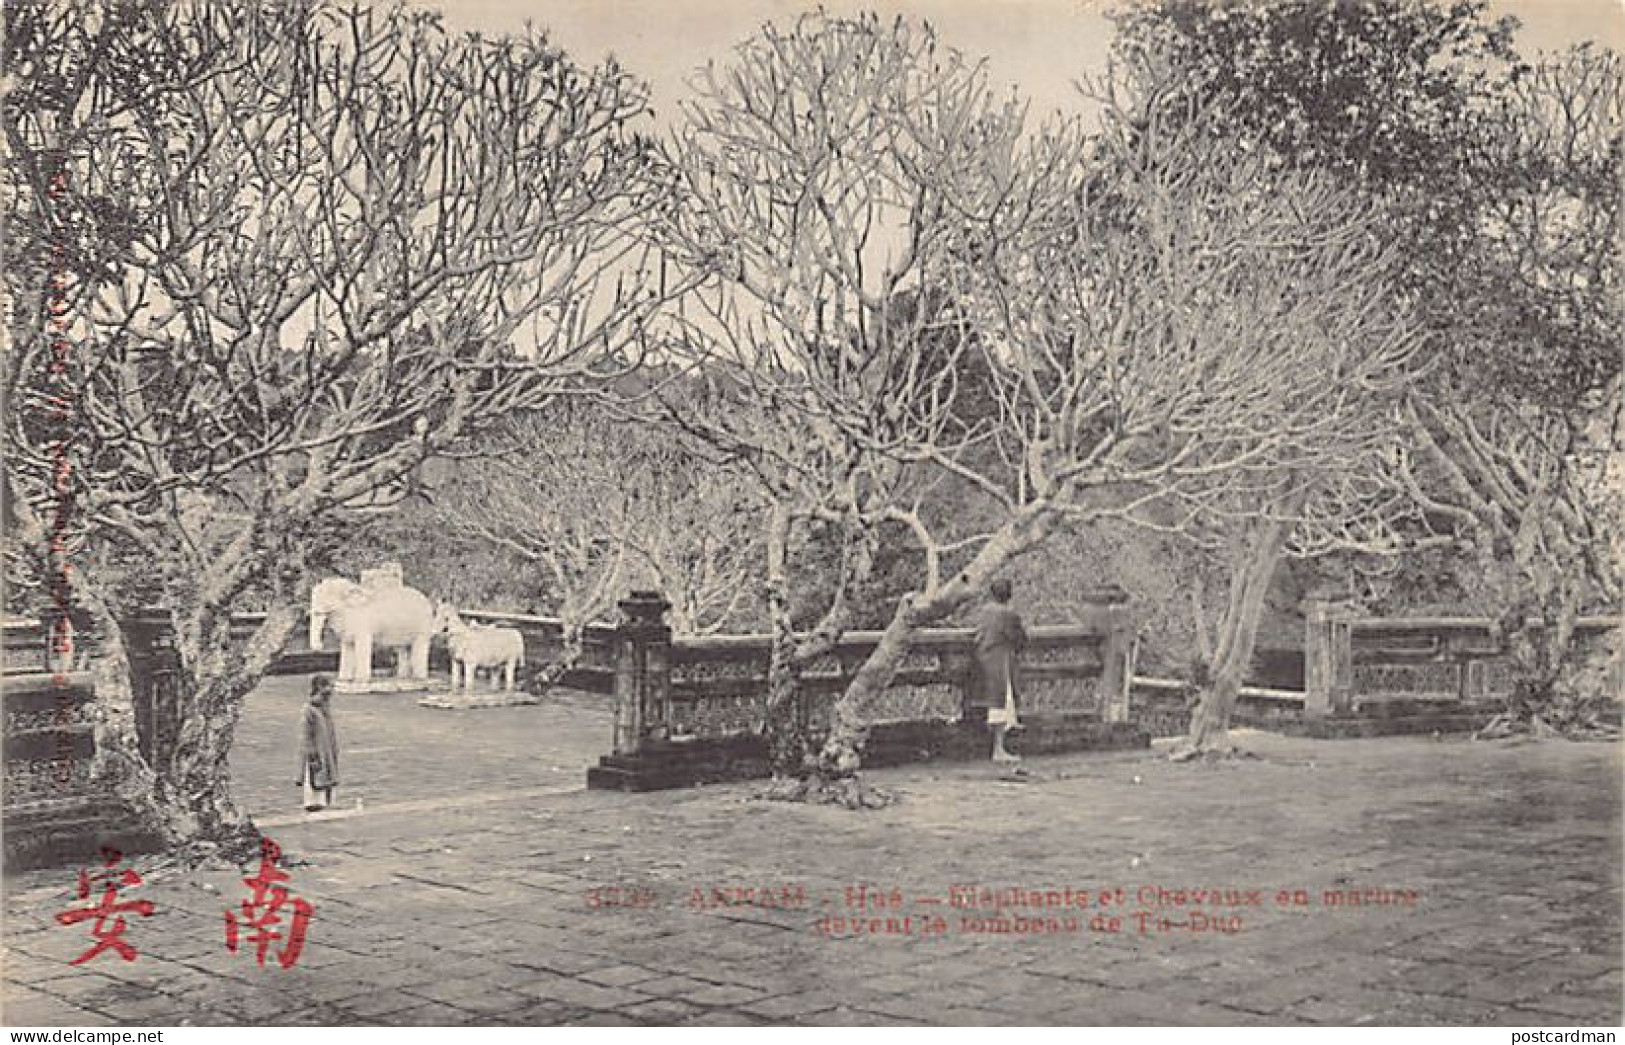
<point>479,646</point>
<point>363,616</point>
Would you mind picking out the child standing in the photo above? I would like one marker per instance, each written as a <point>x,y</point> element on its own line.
<point>318,747</point>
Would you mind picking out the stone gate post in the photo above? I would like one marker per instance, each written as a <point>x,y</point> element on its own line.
<point>1328,665</point>
<point>1116,669</point>
<point>149,642</point>
<point>642,671</point>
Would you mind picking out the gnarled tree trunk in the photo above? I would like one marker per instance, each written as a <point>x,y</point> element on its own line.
<point>1251,572</point>
<point>1540,533</point>
<point>1537,629</point>
<point>572,641</point>
<point>788,719</point>
<point>785,723</point>
<point>841,755</point>
<point>182,794</point>
<point>215,676</point>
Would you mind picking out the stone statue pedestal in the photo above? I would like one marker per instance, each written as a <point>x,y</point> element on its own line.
<point>443,694</point>
<point>461,700</point>
<point>386,685</point>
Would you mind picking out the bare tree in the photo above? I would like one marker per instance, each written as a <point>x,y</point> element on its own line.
<point>1170,326</point>
<point>340,240</point>
<point>1165,326</point>
<point>1188,337</point>
<point>596,504</point>
<point>1351,501</point>
<point>1518,432</point>
<point>825,174</point>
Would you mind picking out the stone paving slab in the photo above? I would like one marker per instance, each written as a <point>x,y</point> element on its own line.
<point>494,913</point>
<point>392,750</point>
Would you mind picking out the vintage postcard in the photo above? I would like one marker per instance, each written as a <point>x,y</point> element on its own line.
<point>967,513</point>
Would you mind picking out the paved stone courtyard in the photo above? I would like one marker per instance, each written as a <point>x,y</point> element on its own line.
<point>465,892</point>
<point>393,750</point>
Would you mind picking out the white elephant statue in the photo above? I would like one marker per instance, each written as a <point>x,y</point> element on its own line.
<point>363,616</point>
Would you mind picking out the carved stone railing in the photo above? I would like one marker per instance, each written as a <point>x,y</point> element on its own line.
<point>1373,675</point>
<point>48,744</point>
<point>1355,665</point>
<point>28,648</point>
<point>718,685</point>
<point>55,809</point>
<point>1162,707</point>
<point>696,708</point>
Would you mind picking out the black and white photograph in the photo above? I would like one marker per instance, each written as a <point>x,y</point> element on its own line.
<point>752,513</point>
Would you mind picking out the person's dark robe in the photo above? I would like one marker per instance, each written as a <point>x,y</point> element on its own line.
<point>999,637</point>
<point>319,748</point>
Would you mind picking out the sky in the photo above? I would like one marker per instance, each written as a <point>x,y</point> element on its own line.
<point>1042,45</point>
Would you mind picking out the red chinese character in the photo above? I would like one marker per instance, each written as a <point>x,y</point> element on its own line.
<point>259,914</point>
<point>109,928</point>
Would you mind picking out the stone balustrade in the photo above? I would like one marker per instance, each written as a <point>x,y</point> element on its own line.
<point>56,810</point>
<point>695,709</point>
<point>1368,665</point>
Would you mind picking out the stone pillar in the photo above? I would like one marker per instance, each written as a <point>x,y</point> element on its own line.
<point>1116,671</point>
<point>1472,688</point>
<point>149,642</point>
<point>1133,659</point>
<point>1328,666</point>
<point>642,671</point>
